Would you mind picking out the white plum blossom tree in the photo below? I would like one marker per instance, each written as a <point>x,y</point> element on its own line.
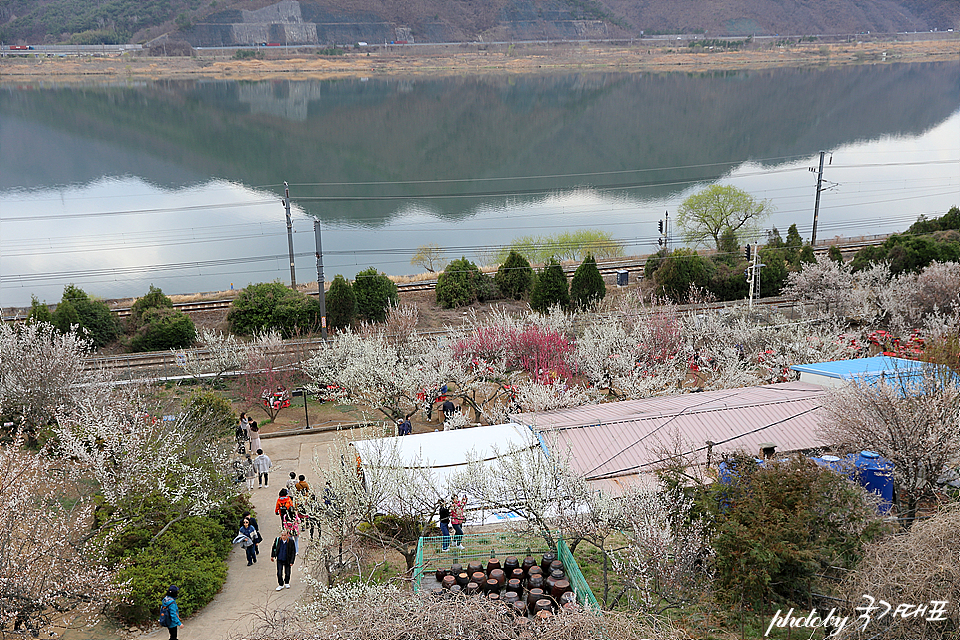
<point>120,440</point>
<point>42,370</point>
<point>48,567</point>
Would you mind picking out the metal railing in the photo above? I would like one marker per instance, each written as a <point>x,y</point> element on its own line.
<point>481,546</point>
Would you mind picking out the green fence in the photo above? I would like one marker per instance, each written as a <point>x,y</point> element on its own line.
<point>481,546</point>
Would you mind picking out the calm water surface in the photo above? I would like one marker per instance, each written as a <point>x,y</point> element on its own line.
<point>179,184</point>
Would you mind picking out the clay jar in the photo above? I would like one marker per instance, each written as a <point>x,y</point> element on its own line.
<point>568,598</point>
<point>492,564</point>
<point>527,563</point>
<point>441,573</point>
<point>473,567</point>
<point>532,596</point>
<point>479,577</point>
<point>455,590</point>
<point>542,605</point>
<point>556,565</point>
<point>545,561</point>
<point>534,571</point>
<point>516,574</point>
<point>519,607</point>
<point>559,589</point>
<point>448,581</point>
<point>472,589</point>
<point>492,586</point>
<point>499,576</point>
<point>509,597</point>
<point>510,563</point>
<point>535,581</point>
<point>493,595</point>
<point>514,586</point>
<point>554,578</point>
<point>462,578</point>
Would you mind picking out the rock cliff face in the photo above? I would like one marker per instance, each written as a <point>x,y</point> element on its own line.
<point>328,22</point>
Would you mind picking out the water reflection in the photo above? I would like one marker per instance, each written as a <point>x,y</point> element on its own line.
<point>178,183</point>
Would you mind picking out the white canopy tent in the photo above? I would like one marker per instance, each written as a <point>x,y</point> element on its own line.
<point>436,458</point>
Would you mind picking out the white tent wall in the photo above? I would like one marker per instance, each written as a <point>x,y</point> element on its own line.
<point>436,459</point>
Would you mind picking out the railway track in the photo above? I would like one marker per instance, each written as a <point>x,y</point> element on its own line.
<point>606,268</point>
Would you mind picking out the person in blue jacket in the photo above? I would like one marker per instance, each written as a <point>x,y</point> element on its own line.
<point>169,614</point>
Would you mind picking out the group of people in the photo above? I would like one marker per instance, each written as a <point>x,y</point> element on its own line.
<point>455,515</point>
<point>247,433</point>
<point>283,552</point>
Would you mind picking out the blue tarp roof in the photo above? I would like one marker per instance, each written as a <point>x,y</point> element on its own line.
<point>865,368</point>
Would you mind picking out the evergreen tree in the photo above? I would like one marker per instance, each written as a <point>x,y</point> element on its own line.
<point>375,293</point>
<point>806,255</point>
<point>682,269</point>
<point>154,299</point>
<point>551,289</point>
<point>729,252</point>
<point>459,284</point>
<point>835,254</point>
<point>341,303</point>
<point>92,315</point>
<point>587,287</point>
<point>515,276</point>
<point>39,312</point>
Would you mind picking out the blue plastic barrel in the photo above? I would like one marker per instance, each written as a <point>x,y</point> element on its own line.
<point>875,474</point>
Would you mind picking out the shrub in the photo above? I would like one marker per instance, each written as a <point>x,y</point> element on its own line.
<point>587,287</point>
<point>680,270</point>
<point>729,282</point>
<point>568,245</point>
<point>515,276</point>
<point>273,305</point>
<point>163,328</point>
<point>835,254</point>
<point>190,554</point>
<point>654,262</point>
<point>375,292</point>
<point>154,299</point>
<point>550,289</point>
<point>807,256</point>
<point>459,284</point>
<point>341,304</point>
<point>94,316</point>
<point>778,525</point>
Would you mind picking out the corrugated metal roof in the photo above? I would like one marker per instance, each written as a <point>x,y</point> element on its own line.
<point>865,368</point>
<point>636,436</point>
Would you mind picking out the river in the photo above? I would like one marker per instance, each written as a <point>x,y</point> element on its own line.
<point>179,183</point>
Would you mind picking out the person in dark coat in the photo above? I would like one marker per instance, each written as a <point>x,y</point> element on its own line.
<point>284,553</point>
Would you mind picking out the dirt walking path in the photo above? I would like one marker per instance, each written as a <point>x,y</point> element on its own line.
<point>250,591</point>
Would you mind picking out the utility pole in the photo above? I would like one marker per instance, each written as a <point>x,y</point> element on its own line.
<point>664,228</point>
<point>816,206</point>
<point>286,206</point>
<point>323,301</point>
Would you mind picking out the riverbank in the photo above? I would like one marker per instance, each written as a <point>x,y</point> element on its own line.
<point>453,60</point>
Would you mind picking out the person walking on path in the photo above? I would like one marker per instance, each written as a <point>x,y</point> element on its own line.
<point>249,472</point>
<point>457,518</point>
<point>302,486</point>
<point>284,553</point>
<point>258,537</point>
<point>254,436</point>
<point>169,613</point>
<point>249,543</point>
<point>262,464</point>
<point>445,524</point>
<point>292,484</point>
<point>284,508</point>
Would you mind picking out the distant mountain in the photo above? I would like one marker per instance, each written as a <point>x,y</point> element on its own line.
<point>210,22</point>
